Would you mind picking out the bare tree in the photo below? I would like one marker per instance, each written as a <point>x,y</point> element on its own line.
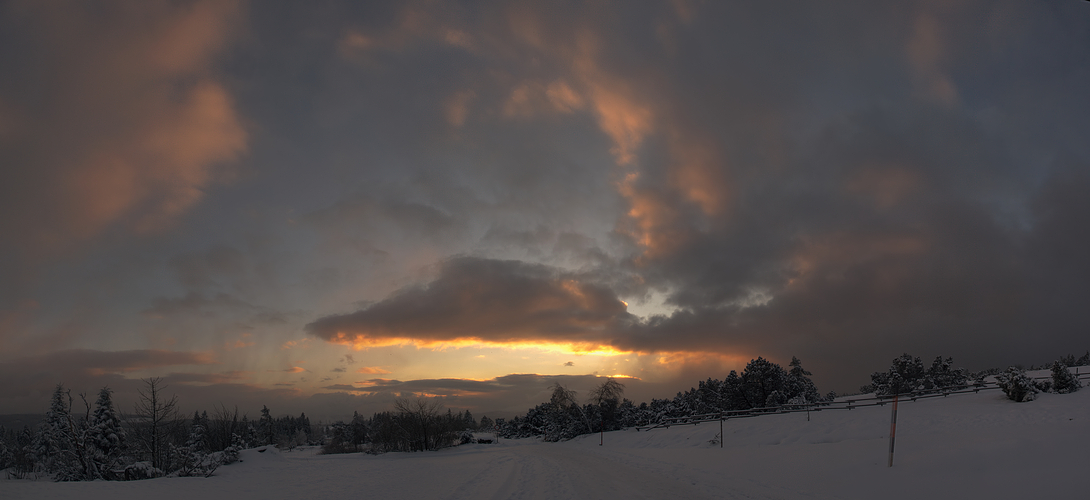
<point>609,390</point>
<point>156,416</point>
<point>421,418</point>
<point>563,399</point>
<point>223,426</point>
<point>606,396</point>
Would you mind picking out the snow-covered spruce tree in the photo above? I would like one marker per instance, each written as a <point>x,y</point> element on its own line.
<point>1017,386</point>
<point>1063,381</point>
<point>229,455</point>
<point>59,445</point>
<point>105,436</point>
<point>486,424</point>
<point>193,458</point>
<point>763,384</point>
<point>358,430</point>
<point>800,389</point>
<point>7,458</point>
<point>52,437</point>
<point>19,458</point>
<point>266,432</point>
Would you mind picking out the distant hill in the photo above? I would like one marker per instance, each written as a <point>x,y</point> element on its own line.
<point>18,420</point>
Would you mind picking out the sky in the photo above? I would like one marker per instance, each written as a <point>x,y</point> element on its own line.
<point>322,207</point>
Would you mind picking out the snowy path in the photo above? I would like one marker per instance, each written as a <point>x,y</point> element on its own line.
<point>971,446</point>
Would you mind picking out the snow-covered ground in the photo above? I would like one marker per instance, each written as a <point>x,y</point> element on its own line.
<point>963,446</point>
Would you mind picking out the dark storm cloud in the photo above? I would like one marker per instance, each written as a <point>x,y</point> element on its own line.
<point>879,180</point>
<point>840,182</point>
<point>491,300</point>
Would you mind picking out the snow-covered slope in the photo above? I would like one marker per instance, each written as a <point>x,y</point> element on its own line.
<point>964,446</point>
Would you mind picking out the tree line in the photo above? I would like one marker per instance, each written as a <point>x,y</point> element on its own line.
<point>761,384</point>
<point>78,443</point>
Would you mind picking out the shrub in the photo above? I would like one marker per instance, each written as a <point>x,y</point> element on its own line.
<point>907,374</point>
<point>1063,381</point>
<point>1017,386</point>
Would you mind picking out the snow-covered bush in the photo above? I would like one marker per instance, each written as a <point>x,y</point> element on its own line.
<point>1017,386</point>
<point>229,455</point>
<point>141,470</point>
<point>907,374</point>
<point>193,459</point>
<point>1063,381</point>
<point>339,441</point>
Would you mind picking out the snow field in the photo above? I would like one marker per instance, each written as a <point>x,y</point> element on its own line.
<point>963,446</point>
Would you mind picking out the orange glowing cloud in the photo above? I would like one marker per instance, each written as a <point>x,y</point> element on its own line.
<point>147,126</point>
<point>621,115</point>
<point>927,54</point>
<point>531,98</point>
<point>373,370</point>
<point>698,171</point>
<point>457,107</point>
<point>651,221</point>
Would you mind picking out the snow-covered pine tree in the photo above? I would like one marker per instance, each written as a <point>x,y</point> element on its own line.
<point>906,374</point>
<point>359,429</point>
<point>799,388</point>
<point>1063,381</point>
<point>1017,386</point>
<point>7,458</point>
<point>105,436</point>
<point>24,460</point>
<point>486,424</point>
<point>230,453</point>
<point>57,443</point>
<point>763,383</point>
<point>248,432</point>
<point>943,374</point>
<point>194,459</point>
<point>265,429</point>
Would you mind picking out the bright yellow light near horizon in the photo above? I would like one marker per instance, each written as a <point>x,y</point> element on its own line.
<point>463,358</point>
<point>568,348</point>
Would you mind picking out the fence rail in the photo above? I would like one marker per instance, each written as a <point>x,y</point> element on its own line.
<point>847,404</point>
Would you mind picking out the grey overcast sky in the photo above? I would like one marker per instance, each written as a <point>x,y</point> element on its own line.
<point>320,206</point>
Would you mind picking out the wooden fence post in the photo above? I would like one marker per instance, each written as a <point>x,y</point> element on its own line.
<point>892,431</point>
